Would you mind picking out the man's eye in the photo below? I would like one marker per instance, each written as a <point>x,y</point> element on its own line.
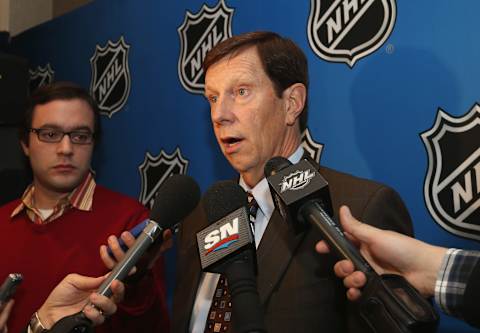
<point>213,99</point>
<point>80,137</point>
<point>242,91</point>
<point>51,134</point>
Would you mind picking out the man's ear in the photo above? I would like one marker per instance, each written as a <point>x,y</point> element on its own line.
<point>25,148</point>
<point>295,97</point>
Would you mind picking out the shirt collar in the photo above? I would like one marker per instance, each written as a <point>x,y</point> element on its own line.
<point>261,191</point>
<point>80,198</point>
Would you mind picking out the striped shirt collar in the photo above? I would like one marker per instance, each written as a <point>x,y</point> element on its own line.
<point>80,198</point>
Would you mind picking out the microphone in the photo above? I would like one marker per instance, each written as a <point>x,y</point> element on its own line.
<point>302,197</point>
<point>227,247</point>
<point>174,201</point>
<point>388,302</point>
<point>177,197</point>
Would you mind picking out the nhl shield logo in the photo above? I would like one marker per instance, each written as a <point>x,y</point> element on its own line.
<point>110,84</point>
<point>199,33</point>
<point>41,76</point>
<point>347,30</point>
<point>452,183</point>
<point>313,148</point>
<point>155,170</point>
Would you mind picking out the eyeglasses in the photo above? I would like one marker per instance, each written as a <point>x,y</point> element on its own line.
<point>55,135</point>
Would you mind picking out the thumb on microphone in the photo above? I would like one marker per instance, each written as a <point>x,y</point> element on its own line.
<point>354,230</point>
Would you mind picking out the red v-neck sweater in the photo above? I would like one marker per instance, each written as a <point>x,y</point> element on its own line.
<point>45,254</point>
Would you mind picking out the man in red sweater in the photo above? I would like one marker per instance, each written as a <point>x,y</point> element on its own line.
<point>63,217</point>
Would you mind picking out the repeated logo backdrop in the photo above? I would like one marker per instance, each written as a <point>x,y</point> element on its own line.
<point>110,84</point>
<point>391,94</point>
<point>41,76</point>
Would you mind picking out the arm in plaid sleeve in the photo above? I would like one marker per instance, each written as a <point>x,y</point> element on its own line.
<point>454,279</point>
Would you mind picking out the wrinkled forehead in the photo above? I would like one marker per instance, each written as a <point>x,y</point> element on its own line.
<point>243,64</point>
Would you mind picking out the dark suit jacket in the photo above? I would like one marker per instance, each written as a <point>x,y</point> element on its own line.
<point>469,309</point>
<point>297,287</point>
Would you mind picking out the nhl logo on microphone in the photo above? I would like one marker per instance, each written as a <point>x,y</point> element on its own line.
<point>452,182</point>
<point>348,30</point>
<point>199,33</point>
<point>297,180</point>
<point>110,84</point>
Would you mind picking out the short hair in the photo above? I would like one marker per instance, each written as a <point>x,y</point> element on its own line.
<point>54,92</point>
<point>282,60</point>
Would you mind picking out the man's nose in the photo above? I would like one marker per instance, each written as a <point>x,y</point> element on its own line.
<point>222,110</point>
<point>65,146</point>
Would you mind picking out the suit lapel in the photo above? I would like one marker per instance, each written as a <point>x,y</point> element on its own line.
<point>190,267</point>
<point>277,247</point>
<point>274,254</point>
<point>192,274</point>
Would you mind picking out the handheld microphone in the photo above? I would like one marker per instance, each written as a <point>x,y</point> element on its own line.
<point>302,197</point>
<point>177,197</point>
<point>388,303</point>
<point>227,246</point>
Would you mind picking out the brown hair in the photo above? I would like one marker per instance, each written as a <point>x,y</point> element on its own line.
<point>58,91</point>
<point>283,61</point>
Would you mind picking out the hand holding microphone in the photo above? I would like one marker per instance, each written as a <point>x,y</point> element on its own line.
<point>388,252</point>
<point>178,196</point>
<point>71,294</point>
<point>389,303</point>
<point>302,197</point>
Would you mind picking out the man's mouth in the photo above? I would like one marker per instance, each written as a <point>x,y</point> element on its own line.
<point>63,167</point>
<point>230,141</point>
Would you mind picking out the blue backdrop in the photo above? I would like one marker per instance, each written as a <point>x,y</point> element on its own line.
<point>380,72</point>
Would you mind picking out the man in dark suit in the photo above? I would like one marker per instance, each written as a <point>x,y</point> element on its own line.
<point>257,85</point>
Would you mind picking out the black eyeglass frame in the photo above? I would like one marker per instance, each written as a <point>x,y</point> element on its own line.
<point>89,139</point>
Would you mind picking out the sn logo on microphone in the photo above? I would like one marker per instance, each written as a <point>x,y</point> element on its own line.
<point>222,237</point>
<point>296,180</point>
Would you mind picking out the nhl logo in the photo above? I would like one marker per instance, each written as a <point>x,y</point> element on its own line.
<point>110,84</point>
<point>41,76</point>
<point>313,148</point>
<point>452,183</point>
<point>199,33</point>
<point>155,170</point>
<point>347,30</point>
<point>296,180</point>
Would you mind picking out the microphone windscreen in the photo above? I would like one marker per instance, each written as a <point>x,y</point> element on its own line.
<point>275,164</point>
<point>222,198</point>
<point>175,199</point>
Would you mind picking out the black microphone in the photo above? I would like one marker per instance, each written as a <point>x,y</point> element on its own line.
<point>175,199</point>
<point>388,303</point>
<point>302,197</point>
<point>227,246</point>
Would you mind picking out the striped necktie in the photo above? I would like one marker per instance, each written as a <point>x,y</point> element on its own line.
<point>252,207</point>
